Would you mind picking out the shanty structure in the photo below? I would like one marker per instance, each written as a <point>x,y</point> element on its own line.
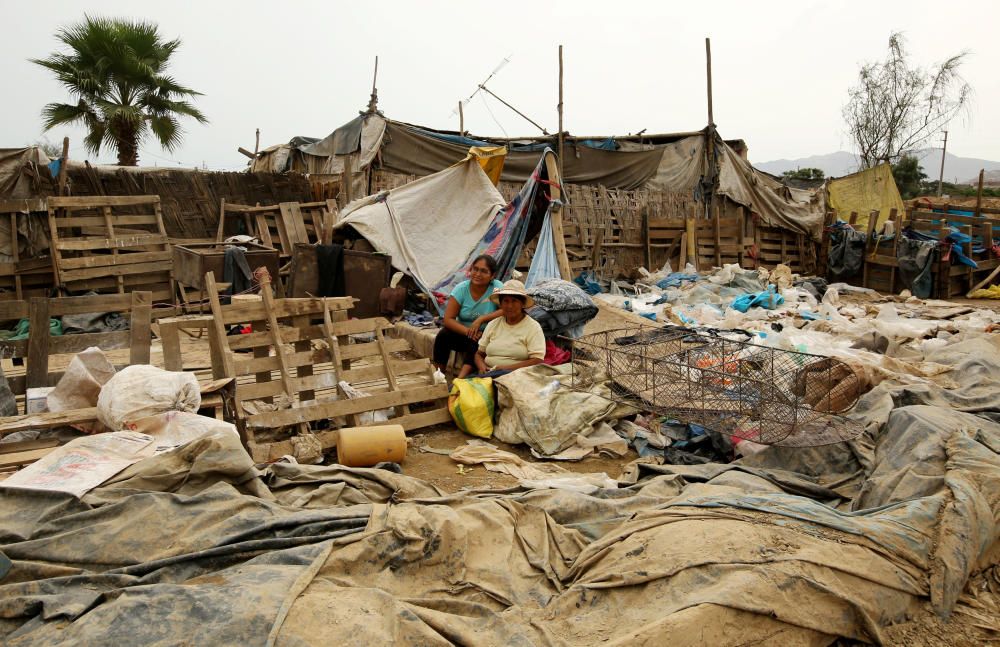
<point>699,165</point>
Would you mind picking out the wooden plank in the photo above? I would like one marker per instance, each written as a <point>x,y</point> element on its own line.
<point>79,202</point>
<point>46,420</point>
<point>71,344</point>
<point>90,243</point>
<point>139,328</point>
<point>37,362</point>
<point>104,260</point>
<point>338,408</point>
<point>17,459</point>
<point>350,327</point>
<point>25,445</point>
<point>292,307</point>
<point>289,386</point>
<point>119,269</point>
<point>64,222</point>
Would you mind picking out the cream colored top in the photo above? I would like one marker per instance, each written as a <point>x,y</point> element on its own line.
<point>505,344</point>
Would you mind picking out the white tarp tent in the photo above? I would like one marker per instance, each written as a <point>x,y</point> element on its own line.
<point>428,226</point>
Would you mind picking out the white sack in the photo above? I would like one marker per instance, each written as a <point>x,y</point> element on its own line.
<point>141,391</point>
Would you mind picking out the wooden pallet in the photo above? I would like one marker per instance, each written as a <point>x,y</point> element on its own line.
<point>774,246</point>
<point>281,226</point>
<point>110,244</point>
<point>40,346</point>
<point>720,241</point>
<point>291,391</point>
<point>23,277</point>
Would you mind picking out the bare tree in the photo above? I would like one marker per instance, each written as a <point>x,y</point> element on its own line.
<point>895,107</point>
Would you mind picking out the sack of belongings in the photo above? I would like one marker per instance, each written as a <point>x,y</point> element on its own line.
<point>141,391</point>
<point>471,405</point>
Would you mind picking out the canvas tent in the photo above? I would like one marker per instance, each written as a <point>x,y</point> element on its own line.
<point>673,162</point>
<point>434,227</point>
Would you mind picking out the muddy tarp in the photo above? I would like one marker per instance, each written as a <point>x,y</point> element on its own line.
<point>199,546</point>
<point>847,253</point>
<point>872,189</point>
<point>776,205</point>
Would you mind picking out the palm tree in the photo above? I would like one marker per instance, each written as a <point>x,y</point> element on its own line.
<point>115,70</point>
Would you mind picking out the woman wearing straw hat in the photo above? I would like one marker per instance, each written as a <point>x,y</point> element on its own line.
<point>514,340</point>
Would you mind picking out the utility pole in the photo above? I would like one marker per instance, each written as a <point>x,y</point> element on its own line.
<point>944,148</point>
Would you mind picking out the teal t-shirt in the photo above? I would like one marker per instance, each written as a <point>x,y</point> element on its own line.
<point>470,308</point>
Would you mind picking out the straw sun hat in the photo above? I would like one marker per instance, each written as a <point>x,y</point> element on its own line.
<point>513,288</point>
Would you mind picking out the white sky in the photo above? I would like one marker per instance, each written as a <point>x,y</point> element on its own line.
<point>781,69</point>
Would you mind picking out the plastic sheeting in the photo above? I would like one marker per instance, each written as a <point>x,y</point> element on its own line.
<point>430,225</point>
<point>197,545</point>
<point>873,189</point>
<point>544,263</point>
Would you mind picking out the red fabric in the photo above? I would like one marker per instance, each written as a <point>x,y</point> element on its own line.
<point>554,355</point>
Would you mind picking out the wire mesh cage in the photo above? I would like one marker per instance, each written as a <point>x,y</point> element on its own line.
<point>765,395</point>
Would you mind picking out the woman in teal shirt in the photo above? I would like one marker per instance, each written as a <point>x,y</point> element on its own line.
<point>469,309</point>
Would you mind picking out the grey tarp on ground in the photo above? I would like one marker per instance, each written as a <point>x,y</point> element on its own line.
<point>197,546</point>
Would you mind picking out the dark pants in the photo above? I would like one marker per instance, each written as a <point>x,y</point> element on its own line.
<point>447,341</point>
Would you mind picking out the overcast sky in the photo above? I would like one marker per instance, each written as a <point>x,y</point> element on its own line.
<point>781,69</point>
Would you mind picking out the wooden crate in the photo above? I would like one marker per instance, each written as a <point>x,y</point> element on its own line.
<point>193,260</point>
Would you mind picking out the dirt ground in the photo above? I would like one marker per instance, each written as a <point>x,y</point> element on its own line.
<point>445,473</point>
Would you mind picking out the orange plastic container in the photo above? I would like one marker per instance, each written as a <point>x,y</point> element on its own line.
<point>366,446</point>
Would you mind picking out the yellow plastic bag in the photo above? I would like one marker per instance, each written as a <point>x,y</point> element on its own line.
<point>471,405</point>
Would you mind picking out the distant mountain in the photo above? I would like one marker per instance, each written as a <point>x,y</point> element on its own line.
<point>833,164</point>
<point>956,169</point>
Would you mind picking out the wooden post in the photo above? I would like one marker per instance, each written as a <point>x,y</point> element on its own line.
<point>717,237</point>
<point>558,237</point>
<point>708,65</point>
<point>562,135</point>
<point>256,146</point>
<point>709,133</point>
<point>645,240</point>
<point>37,362</point>
<point>346,183</point>
<point>692,241</point>
<point>461,120</point>
<point>61,177</point>
<point>979,194</point>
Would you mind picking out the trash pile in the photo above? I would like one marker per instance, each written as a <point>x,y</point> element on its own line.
<point>857,540</point>
<point>120,536</point>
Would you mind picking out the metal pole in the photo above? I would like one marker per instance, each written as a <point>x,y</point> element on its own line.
<point>461,120</point>
<point>944,148</point>
<point>562,136</point>
<point>535,124</point>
